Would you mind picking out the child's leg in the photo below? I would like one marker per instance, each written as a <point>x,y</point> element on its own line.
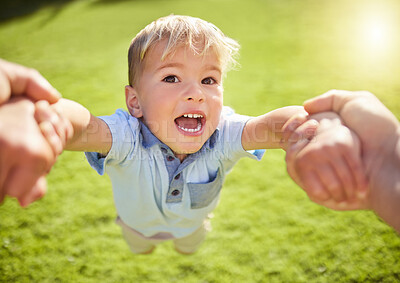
<point>191,243</point>
<point>136,242</point>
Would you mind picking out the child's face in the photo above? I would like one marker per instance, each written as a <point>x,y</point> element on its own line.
<point>179,98</point>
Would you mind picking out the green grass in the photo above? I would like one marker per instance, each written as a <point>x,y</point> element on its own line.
<point>265,229</point>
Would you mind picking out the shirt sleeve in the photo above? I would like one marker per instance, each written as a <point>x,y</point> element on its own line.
<point>124,130</point>
<point>231,130</point>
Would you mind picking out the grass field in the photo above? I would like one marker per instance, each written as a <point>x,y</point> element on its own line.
<point>265,229</point>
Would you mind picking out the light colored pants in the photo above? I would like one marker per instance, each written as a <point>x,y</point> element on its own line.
<point>141,245</point>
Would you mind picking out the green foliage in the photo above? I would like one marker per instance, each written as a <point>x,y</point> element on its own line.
<point>265,228</point>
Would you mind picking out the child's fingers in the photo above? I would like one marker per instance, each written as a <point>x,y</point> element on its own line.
<point>52,137</point>
<point>305,131</point>
<point>51,115</point>
<point>42,111</point>
<point>291,125</point>
<point>65,129</point>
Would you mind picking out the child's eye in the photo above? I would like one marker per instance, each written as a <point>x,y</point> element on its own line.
<point>208,81</point>
<point>170,79</point>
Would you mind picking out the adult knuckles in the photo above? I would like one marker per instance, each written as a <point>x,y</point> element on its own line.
<point>366,94</point>
<point>40,193</point>
<point>33,73</point>
<point>334,187</point>
<point>317,196</point>
<point>37,156</point>
<point>308,158</point>
<point>340,147</point>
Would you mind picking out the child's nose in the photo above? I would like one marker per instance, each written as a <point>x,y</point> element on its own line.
<point>195,93</point>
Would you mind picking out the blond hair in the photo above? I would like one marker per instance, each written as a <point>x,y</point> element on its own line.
<point>195,33</point>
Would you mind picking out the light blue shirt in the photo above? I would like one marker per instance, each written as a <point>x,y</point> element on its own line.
<point>156,193</point>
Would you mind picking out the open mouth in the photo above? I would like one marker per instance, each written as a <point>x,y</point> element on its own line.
<point>190,123</point>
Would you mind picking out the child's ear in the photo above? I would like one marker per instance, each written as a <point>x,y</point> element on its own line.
<point>132,102</point>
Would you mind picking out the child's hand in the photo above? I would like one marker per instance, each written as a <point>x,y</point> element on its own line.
<point>298,129</point>
<point>328,166</point>
<point>55,128</point>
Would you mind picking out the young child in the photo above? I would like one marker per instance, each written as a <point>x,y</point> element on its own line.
<point>167,157</point>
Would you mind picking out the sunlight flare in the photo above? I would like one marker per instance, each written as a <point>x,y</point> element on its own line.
<point>377,34</point>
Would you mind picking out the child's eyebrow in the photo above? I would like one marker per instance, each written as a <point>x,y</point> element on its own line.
<point>179,65</point>
<point>213,68</point>
<point>169,65</point>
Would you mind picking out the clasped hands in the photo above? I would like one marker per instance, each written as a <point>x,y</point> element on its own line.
<point>28,149</point>
<point>353,159</point>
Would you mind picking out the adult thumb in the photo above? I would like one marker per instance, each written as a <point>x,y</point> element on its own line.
<point>333,100</point>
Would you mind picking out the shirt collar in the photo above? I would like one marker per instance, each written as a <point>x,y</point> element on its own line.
<point>148,139</point>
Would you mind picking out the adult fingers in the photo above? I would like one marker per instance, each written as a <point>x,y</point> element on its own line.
<point>345,175</point>
<point>4,171</point>
<point>293,150</point>
<point>356,169</point>
<point>332,100</point>
<point>20,181</point>
<point>19,80</point>
<point>38,88</point>
<point>302,175</point>
<point>331,181</point>
<point>343,206</point>
<point>314,187</point>
<point>5,87</point>
<point>37,192</point>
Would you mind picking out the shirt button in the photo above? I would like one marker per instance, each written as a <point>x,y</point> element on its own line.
<point>177,176</point>
<point>170,158</point>
<point>175,193</point>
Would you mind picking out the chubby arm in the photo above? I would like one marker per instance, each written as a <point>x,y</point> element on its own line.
<point>90,132</point>
<point>265,131</point>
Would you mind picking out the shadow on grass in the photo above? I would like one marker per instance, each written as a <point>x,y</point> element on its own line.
<point>10,9</point>
<point>111,1</point>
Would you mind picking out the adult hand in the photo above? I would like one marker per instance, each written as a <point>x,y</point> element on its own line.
<point>328,165</point>
<point>17,80</point>
<point>25,155</point>
<point>379,133</point>
<point>363,113</point>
